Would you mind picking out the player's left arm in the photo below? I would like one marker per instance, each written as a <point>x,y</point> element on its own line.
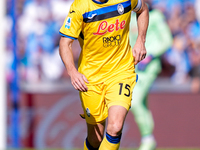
<point>139,50</point>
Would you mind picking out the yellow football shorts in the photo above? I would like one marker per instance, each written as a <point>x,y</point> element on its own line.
<point>100,97</point>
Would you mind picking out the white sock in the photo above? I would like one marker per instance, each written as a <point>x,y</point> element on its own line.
<point>148,138</point>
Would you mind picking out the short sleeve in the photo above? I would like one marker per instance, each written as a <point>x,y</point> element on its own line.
<point>73,22</point>
<point>138,5</point>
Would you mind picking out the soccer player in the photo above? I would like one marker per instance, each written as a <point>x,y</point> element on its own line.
<point>158,40</point>
<point>106,74</point>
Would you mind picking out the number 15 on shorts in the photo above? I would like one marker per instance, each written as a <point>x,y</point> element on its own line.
<point>126,92</point>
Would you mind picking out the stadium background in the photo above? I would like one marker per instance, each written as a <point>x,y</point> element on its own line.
<point>43,108</point>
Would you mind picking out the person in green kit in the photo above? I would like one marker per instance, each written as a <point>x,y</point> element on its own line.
<point>158,40</point>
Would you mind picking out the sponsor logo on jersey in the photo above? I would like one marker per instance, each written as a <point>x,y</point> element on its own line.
<point>120,9</point>
<point>104,27</point>
<point>88,112</point>
<point>92,16</point>
<point>68,23</point>
<point>111,41</point>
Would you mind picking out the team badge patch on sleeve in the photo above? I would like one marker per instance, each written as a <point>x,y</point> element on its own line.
<point>68,23</point>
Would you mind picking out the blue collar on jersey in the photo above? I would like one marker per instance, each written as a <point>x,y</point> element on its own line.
<point>106,12</point>
<point>100,2</point>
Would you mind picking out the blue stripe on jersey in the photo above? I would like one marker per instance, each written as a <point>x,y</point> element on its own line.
<point>67,36</point>
<point>105,10</point>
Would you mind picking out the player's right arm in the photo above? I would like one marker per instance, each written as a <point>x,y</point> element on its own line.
<point>70,31</point>
<point>77,79</point>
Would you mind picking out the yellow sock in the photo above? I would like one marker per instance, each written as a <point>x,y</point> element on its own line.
<point>85,147</point>
<point>110,143</point>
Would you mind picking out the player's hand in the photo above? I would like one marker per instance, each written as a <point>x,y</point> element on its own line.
<point>78,81</point>
<point>139,51</point>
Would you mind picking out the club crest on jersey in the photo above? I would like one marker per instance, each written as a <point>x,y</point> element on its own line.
<point>120,9</point>
<point>68,23</point>
<point>88,112</point>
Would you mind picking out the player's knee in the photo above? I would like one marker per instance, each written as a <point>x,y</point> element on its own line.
<point>114,129</point>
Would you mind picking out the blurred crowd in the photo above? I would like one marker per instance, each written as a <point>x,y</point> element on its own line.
<point>183,18</point>
<point>37,25</point>
<point>39,21</point>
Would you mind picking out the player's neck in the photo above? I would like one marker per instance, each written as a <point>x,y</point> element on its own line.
<point>102,1</point>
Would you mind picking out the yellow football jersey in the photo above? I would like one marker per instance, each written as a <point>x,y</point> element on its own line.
<point>103,32</point>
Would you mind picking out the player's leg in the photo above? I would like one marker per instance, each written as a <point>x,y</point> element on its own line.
<point>95,114</point>
<point>94,136</point>
<point>118,100</point>
<point>141,113</point>
<point>116,117</point>
<point>143,116</point>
